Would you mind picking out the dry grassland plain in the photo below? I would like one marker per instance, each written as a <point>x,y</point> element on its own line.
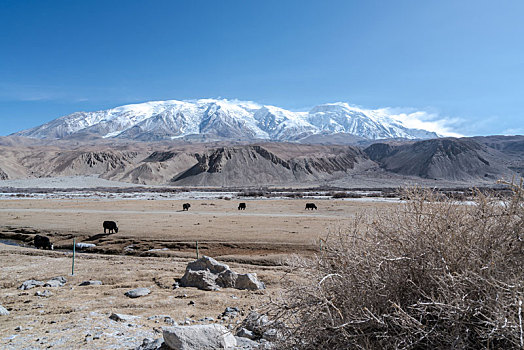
<point>156,240</point>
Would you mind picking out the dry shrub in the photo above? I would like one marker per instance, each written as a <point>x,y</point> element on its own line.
<point>426,275</point>
<point>336,195</point>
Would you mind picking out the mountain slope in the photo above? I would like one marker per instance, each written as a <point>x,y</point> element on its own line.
<point>223,119</point>
<point>449,158</point>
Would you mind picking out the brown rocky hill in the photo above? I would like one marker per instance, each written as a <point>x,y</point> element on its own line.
<point>447,158</point>
<point>256,164</point>
<point>475,161</point>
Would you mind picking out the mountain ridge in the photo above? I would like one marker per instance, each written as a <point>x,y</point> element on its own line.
<point>435,162</point>
<point>224,119</point>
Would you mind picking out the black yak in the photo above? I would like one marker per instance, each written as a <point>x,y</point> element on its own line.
<point>42,242</point>
<point>111,226</point>
<point>311,206</point>
<point>242,206</point>
<point>186,206</point>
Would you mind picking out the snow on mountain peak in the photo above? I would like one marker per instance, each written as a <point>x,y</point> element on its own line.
<point>229,119</point>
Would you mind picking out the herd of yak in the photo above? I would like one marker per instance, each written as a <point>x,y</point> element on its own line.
<point>111,227</point>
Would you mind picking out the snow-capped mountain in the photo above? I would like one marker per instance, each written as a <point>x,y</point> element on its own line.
<point>160,120</point>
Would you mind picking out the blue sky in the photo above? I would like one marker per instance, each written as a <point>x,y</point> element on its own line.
<point>460,61</point>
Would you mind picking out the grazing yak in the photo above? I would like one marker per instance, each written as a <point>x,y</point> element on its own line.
<point>242,206</point>
<point>311,206</point>
<point>111,226</point>
<point>43,242</point>
<point>186,206</point>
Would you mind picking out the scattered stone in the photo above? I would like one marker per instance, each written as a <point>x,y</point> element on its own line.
<point>167,319</point>
<point>191,302</point>
<point>45,294</point>
<point>207,319</point>
<point>212,336</point>
<point>31,284</point>
<point>208,274</point>
<point>91,283</point>
<point>245,333</point>
<point>3,311</point>
<point>150,344</point>
<point>137,292</point>
<point>56,282</point>
<point>176,285</point>
<point>231,312</point>
<point>122,317</point>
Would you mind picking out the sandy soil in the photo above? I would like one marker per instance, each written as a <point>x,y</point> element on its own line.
<point>152,248</point>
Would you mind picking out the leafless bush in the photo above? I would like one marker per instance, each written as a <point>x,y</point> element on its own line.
<point>427,275</point>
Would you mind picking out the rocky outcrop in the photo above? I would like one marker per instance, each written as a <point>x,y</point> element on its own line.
<point>208,274</point>
<point>212,336</point>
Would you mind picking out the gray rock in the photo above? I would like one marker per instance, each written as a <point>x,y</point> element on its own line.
<point>249,281</point>
<point>122,317</point>
<point>201,279</point>
<point>31,284</point>
<point>245,343</point>
<point>45,294</point>
<point>3,311</point>
<point>150,344</point>
<point>256,323</point>
<point>56,282</point>
<point>137,292</point>
<point>91,283</point>
<point>245,333</point>
<point>227,279</point>
<point>207,263</point>
<point>211,336</point>
<point>208,274</point>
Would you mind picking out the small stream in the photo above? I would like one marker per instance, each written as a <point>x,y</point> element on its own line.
<point>12,242</point>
